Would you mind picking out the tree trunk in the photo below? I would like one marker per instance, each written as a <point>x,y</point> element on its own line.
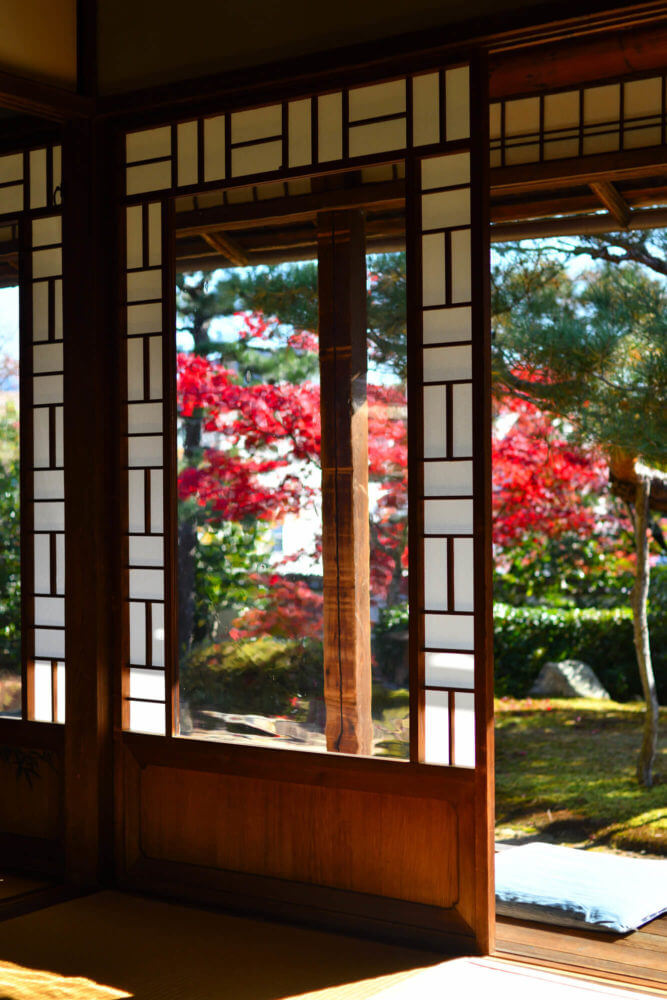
<point>649,746</point>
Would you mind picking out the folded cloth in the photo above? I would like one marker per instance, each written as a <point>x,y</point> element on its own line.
<point>575,888</point>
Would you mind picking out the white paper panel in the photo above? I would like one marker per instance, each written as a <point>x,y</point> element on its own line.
<point>561,111</point>
<point>449,670</point>
<point>11,199</point>
<point>148,177</point>
<point>462,420</point>
<point>146,318</point>
<point>47,389</point>
<point>447,364</point>
<point>561,149</point>
<point>446,208</point>
<point>157,653</point>
<point>264,157</point>
<point>522,117</point>
<point>47,263</point>
<point>147,584</point>
<point>42,682</point>
<point>147,684</point>
<point>146,550</point>
<point>59,436</point>
<point>47,231</point>
<point>602,104</point>
<point>11,168</point>
<point>495,120</point>
<point>155,367</point>
<point>435,574</point>
<point>522,153</point>
<point>50,611</point>
<point>378,137</point>
<point>457,103</point>
<point>259,123</point>
<point>461,266</point>
<point>142,285</point>
<point>449,631</point>
<point>40,311</point>
<point>42,564</point>
<point>634,138</point>
<point>436,728</point>
<point>445,171</point>
<point>154,234</point>
<point>144,418</point>
<point>136,501</point>
<point>187,153</point>
<point>642,98</point>
<point>425,109</point>
<point>60,693</point>
<point>135,369</point>
<point>149,144</point>
<point>433,269</point>
<point>49,516</point>
<point>464,594</point>
<point>157,501</point>
<point>134,237</point>
<point>144,451</point>
<point>447,478</point>
<point>47,358</point>
<point>300,137</point>
<point>60,564</point>
<point>38,178</point>
<point>146,717</point>
<point>607,143</point>
<point>50,643</point>
<point>41,438</point>
<point>49,485</point>
<point>464,729</point>
<point>137,633</point>
<point>377,100</point>
<point>443,325</point>
<point>56,161</point>
<point>214,148</point>
<point>330,127</point>
<point>448,517</point>
<point>434,421</point>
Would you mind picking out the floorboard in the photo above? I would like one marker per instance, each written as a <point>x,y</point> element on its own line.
<point>639,958</point>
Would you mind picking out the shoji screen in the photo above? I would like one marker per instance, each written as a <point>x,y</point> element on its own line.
<point>426,121</point>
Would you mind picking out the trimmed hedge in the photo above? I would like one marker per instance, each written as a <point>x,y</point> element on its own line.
<point>254,676</point>
<point>526,638</point>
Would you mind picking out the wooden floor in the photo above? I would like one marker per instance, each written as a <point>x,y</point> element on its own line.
<point>639,958</point>
<point>113,945</point>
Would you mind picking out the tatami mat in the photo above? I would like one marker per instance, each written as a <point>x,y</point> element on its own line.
<point>112,945</point>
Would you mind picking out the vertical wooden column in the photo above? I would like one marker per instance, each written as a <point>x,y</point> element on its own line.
<point>345,539</point>
<point>91,610</point>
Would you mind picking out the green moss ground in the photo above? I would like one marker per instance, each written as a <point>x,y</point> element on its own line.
<point>565,772</point>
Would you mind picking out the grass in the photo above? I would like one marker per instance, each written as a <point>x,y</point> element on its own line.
<point>565,772</point>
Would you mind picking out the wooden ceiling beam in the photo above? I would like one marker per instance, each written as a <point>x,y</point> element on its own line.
<point>229,248</point>
<point>617,207</point>
<point>592,225</point>
<point>388,194</point>
<point>614,167</point>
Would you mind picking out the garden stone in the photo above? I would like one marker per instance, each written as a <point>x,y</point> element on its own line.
<point>567,679</point>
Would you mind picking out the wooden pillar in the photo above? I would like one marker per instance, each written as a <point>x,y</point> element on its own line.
<point>344,456</point>
<point>91,606</point>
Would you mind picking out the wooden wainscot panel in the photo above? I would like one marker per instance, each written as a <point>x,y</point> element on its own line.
<point>30,792</point>
<point>377,843</point>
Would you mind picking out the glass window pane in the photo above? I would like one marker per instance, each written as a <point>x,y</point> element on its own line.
<point>10,508</point>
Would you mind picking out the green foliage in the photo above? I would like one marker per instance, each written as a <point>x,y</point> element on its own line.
<point>527,638</point>
<point>591,349</point>
<point>567,572</point>
<point>256,676</point>
<point>10,550</point>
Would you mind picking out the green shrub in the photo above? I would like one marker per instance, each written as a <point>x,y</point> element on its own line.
<point>526,638</point>
<point>254,676</point>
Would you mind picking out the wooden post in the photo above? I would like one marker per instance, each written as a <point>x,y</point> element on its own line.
<point>345,536</point>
